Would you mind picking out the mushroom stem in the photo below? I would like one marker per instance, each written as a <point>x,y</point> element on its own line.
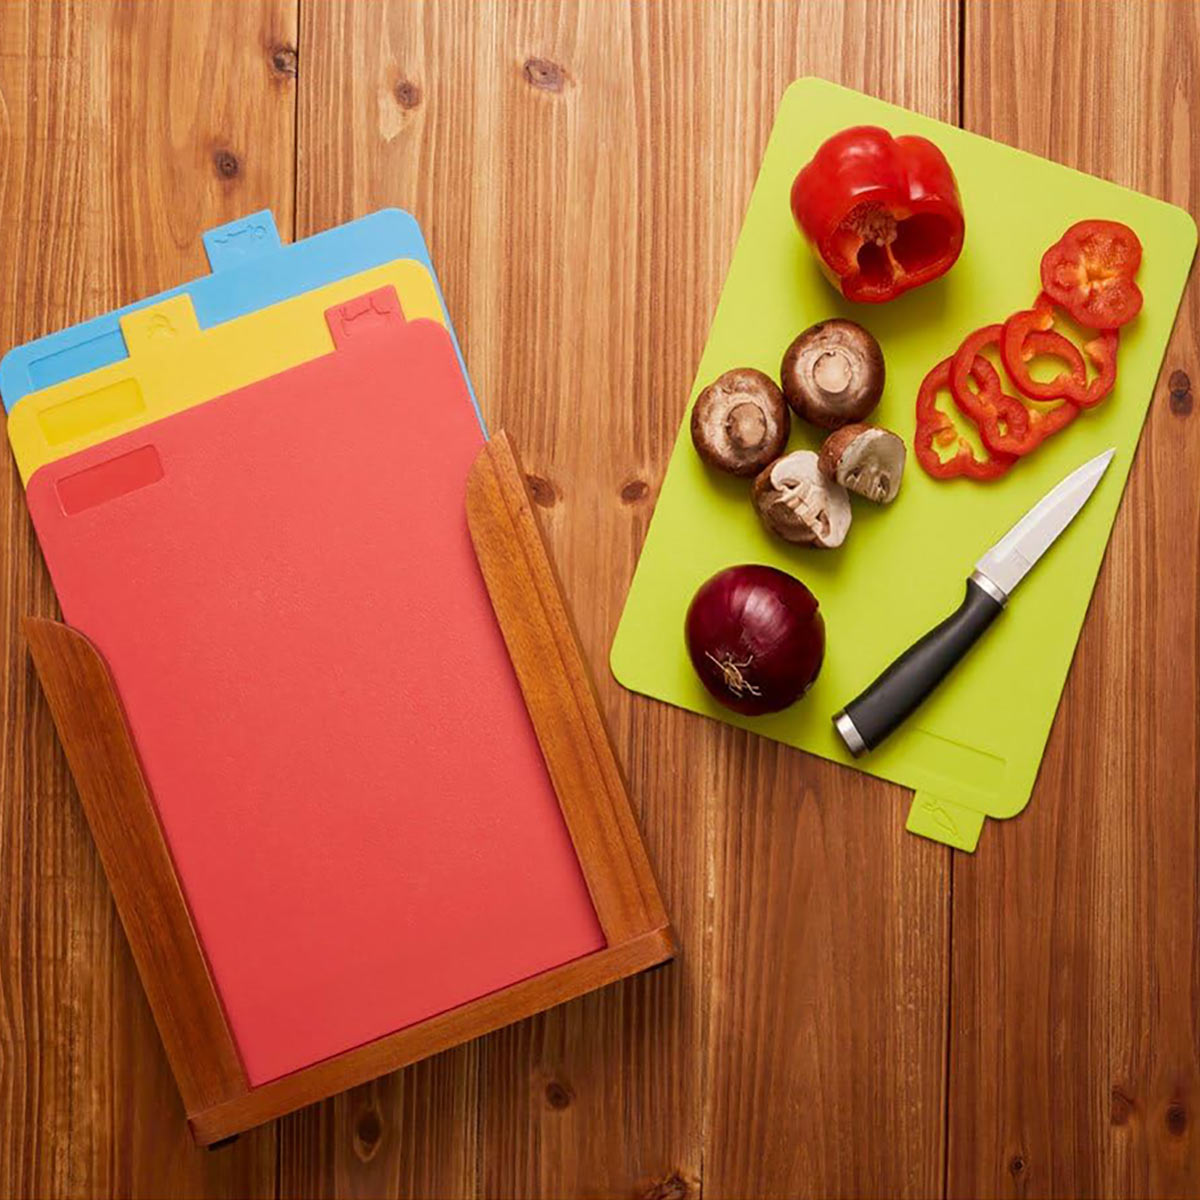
<point>746,426</point>
<point>832,372</point>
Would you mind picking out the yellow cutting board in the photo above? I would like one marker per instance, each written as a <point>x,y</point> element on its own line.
<point>974,748</point>
<point>173,364</point>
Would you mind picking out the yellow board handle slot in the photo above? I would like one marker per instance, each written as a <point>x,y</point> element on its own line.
<point>173,364</point>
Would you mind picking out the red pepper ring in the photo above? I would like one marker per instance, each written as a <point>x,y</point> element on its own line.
<point>1042,423</point>
<point>995,413</point>
<point>1017,349</point>
<point>1006,424</point>
<point>1003,429</point>
<point>934,426</point>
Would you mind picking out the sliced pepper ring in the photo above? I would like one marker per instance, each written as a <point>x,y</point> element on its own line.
<point>994,412</point>
<point>1018,348</point>
<point>934,427</point>
<point>1002,430</point>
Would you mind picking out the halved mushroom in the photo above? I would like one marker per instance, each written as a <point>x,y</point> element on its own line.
<point>740,422</point>
<point>799,504</point>
<point>866,459</point>
<point>833,373</point>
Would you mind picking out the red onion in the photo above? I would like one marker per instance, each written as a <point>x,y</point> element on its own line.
<point>755,638</point>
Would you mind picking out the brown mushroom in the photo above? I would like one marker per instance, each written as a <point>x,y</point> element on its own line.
<point>740,422</point>
<point>833,373</point>
<point>866,459</point>
<point>799,504</point>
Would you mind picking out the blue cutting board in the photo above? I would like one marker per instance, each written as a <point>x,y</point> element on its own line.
<point>251,269</point>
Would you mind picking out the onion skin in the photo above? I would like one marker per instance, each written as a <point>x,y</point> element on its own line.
<point>756,638</point>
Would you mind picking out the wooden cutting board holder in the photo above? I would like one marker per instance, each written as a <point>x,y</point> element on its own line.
<point>558,693</point>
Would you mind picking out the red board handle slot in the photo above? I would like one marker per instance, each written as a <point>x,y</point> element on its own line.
<point>365,315</point>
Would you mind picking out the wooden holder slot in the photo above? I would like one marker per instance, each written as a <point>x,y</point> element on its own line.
<point>591,792</point>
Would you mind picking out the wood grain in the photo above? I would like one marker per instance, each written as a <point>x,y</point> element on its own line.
<point>582,170</point>
<point>1075,1061</point>
<point>116,126</point>
<point>137,864</point>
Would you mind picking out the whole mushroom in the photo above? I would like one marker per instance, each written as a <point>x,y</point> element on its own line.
<point>865,459</point>
<point>833,373</point>
<point>740,422</point>
<point>802,506</point>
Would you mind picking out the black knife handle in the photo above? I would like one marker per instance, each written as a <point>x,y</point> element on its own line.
<point>869,718</point>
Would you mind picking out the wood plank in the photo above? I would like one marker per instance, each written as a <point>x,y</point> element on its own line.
<point>829,954</point>
<point>1074,1062</point>
<point>124,132</point>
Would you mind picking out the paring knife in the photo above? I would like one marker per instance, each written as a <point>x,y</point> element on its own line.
<point>869,718</point>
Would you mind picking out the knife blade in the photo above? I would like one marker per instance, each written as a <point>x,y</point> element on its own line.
<point>874,714</point>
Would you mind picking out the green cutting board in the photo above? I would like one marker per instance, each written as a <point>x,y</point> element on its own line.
<point>974,748</point>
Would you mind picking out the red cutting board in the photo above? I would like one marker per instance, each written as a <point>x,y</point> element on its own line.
<point>282,583</point>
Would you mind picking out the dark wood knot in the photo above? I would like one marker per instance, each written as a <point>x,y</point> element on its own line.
<point>635,490</point>
<point>1181,393</point>
<point>558,1095</point>
<point>1016,1166</point>
<point>407,93</point>
<point>1122,1106</point>
<point>542,491</point>
<point>544,74</point>
<point>368,1134</point>
<point>284,60</point>
<point>226,163</point>
<point>1176,1119</point>
<point>671,1187</point>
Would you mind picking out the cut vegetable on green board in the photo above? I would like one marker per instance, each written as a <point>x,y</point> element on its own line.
<point>1089,277</point>
<point>756,638</point>
<point>887,571</point>
<point>882,213</point>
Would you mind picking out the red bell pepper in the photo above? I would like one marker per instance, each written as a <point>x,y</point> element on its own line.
<point>1090,272</point>
<point>1019,345</point>
<point>934,428</point>
<point>882,213</point>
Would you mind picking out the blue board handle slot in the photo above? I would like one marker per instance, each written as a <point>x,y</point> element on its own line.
<point>234,243</point>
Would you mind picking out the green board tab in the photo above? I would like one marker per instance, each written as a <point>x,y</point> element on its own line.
<point>974,748</point>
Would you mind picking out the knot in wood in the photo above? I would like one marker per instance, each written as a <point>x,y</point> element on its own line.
<point>1180,387</point>
<point>284,60</point>
<point>671,1187</point>
<point>544,74</point>
<point>226,164</point>
<point>368,1134</point>
<point>542,491</point>
<point>407,93</point>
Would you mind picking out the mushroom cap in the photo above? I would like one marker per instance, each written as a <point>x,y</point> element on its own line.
<point>797,502</point>
<point>865,459</point>
<point>740,422</point>
<point>833,373</point>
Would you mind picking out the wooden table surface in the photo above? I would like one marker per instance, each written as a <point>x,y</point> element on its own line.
<point>855,1011</point>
